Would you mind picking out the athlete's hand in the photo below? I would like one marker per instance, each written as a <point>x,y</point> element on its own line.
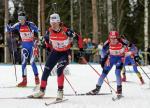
<point>137,58</point>
<point>81,53</point>
<point>70,33</point>
<point>128,54</point>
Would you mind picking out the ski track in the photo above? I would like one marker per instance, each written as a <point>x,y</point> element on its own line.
<point>83,78</point>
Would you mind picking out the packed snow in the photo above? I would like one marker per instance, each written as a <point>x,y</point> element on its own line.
<point>83,79</point>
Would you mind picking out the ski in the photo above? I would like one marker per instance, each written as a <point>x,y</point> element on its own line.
<point>32,97</point>
<point>26,98</point>
<point>55,102</point>
<point>16,87</point>
<point>85,94</point>
<point>117,97</point>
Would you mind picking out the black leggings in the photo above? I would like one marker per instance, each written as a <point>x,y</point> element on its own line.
<point>55,57</point>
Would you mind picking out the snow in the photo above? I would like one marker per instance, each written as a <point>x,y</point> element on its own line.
<point>83,79</point>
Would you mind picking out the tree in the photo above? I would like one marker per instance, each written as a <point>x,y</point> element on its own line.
<point>6,53</point>
<point>120,15</point>
<point>43,16</point>
<point>109,15</point>
<point>146,28</point>
<point>39,16</point>
<point>31,9</point>
<point>95,22</point>
<point>71,13</point>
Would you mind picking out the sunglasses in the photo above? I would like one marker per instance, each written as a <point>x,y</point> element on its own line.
<point>21,18</point>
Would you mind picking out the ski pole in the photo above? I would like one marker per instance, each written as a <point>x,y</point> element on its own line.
<point>143,70</point>
<point>70,85</point>
<point>13,57</point>
<point>39,54</point>
<point>109,84</point>
<point>40,63</point>
<point>41,66</point>
<point>99,74</point>
<point>144,73</point>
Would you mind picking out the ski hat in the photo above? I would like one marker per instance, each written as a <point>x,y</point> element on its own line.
<point>113,34</point>
<point>54,18</point>
<point>21,16</point>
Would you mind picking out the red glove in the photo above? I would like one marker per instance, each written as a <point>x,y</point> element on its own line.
<point>48,45</point>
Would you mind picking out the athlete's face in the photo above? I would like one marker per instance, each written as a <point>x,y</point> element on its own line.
<point>113,41</point>
<point>22,19</point>
<point>55,25</point>
<point>22,22</point>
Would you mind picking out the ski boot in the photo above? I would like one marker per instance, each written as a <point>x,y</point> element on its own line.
<point>59,94</point>
<point>119,89</point>
<point>39,94</point>
<point>124,78</point>
<point>140,77</point>
<point>37,80</point>
<point>23,83</point>
<point>94,91</point>
<point>142,81</point>
<point>118,93</point>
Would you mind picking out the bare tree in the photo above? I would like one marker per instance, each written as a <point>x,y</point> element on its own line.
<point>39,18</point>
<point>6,55</point>
<point>146,28</point>
<point>120,13</point>
<point>43,23</point>
<point>80,18</point>
<point>71,12</point>
<point>95,22</point>
<point>101,6</point>
<point>39,23</point>
<point>109,14</point>
<point>43,16</point>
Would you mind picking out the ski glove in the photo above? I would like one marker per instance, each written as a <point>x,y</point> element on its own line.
<point>81,53</point>
<point>70,33</point>
<point>137,58</point>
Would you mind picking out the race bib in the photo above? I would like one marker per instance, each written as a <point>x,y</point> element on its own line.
<point>60,44</point>
<point>26,36</point>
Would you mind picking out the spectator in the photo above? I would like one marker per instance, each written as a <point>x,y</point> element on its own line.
<point>100,46</point>
<point>95,51</point>
<point>89,43</point>
<point>89,50</point>
<point>85,41</point>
